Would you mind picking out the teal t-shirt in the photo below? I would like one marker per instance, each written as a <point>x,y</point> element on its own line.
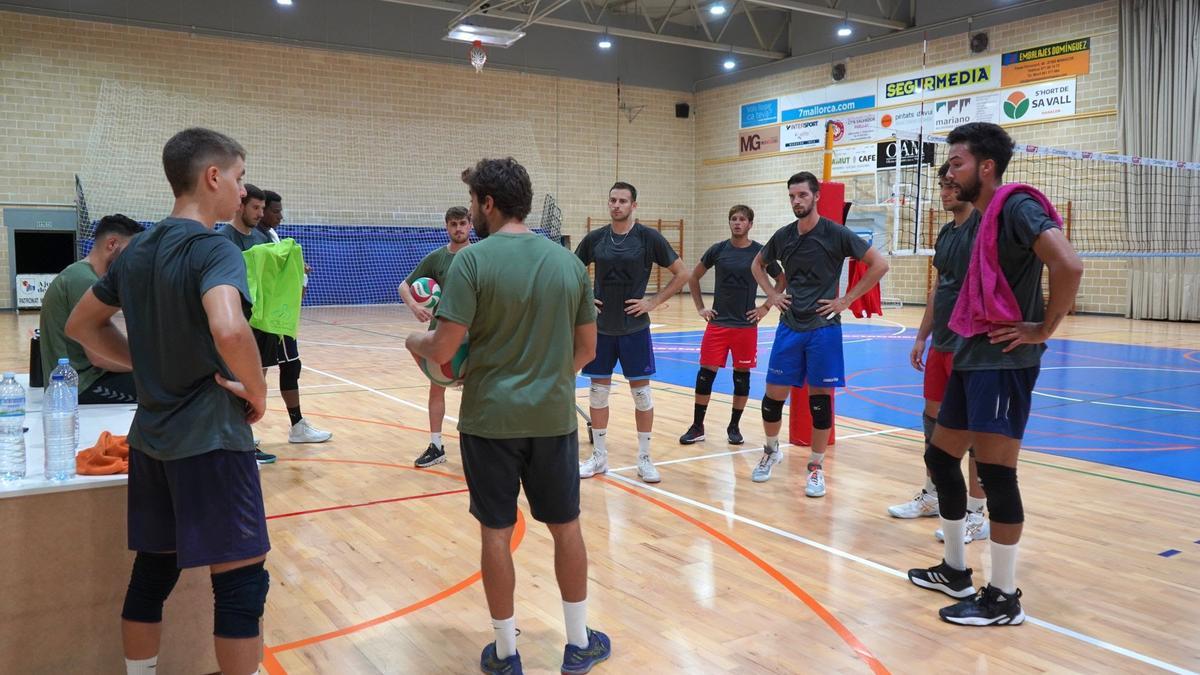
<point>521,297</point>
<point>61,297</point>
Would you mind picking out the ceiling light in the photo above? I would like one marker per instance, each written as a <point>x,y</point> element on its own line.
<point>717,9</point>
<point>604,43</point>
<point>845,31</point>
<point>285,3</point>
<point>492,37</point>
<point>730,64</point>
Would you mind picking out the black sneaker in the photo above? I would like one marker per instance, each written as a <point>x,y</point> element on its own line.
<point>694,433</point>
<point>989,607</point>
<point>735,436</point>
<point>944,578</point>
<point>263,457</point>
<point>432,455</point>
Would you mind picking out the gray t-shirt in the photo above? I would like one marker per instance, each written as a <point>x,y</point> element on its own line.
<point>158,283</point>
<point>812,264</point>
<point>1022,221</point>
<point>951,257</point>
<point>735,291</point>
<point>244,241</point>
<point>623,264</point>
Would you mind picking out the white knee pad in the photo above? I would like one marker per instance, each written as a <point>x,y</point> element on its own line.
<point>642,399</point>
<point>598,398</point>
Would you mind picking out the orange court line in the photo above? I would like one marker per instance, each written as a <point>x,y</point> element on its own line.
<point>275,668</point>
<point>393,500</point>
<point>860,650</point>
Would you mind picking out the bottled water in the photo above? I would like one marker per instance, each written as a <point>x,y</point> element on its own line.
<point>72,378</point>
<point>59,413</point>
<point>12,428</point>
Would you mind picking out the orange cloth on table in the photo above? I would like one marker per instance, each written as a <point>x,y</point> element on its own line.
<point>110,455</point>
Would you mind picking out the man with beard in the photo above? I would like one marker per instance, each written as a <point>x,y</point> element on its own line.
<point>808,341</point>
<point>1005,322</point>
<point>434,266</point>
<point>732,322</point>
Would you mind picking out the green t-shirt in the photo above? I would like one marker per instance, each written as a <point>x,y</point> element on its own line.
<point>435,265</point>
<point>61,297</point>
<point>520,297</point>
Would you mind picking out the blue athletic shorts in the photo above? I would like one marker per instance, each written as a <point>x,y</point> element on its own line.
<point>989,401</point>
<point>635,352</point>
<point>812,354</point>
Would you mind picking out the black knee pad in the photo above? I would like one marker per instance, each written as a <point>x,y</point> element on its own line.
<point>150,584</point>
<point>239,596</point>
<point>772,409</point>
<point>704,381</point>
<point>741,383</point>
<point>946,472</point>
<point>821,408</point>
<point>289,375</point>
<point>1003,493</point>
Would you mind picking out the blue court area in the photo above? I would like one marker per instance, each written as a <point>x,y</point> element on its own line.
<point>1123,405</point>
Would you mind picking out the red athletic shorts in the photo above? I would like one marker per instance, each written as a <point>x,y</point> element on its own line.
<point>937,373</point>
<point>720,340</point>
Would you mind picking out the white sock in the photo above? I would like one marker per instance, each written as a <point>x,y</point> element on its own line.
<point>600,441</point>
<point>1004,567</point>
<point>436,439</point>
<point>976,504</point>
<point>143,667</point>
<point>575,614</point>
<point>772,444</point>
<point>816,459</point>
<point>955,548</point>
<point>929,486</point>
<point>506,636</point>
<point>643,444</point>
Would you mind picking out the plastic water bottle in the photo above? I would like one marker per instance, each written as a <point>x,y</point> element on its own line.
<point>12,428</point>
<point>59,414</point>
<point>72,378</point>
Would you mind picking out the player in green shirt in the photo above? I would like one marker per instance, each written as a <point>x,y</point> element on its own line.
<point>434,266</point>
<point>528,306</point>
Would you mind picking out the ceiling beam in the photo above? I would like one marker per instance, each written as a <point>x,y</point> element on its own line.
<point>805,8</point>
<point>552,22</point>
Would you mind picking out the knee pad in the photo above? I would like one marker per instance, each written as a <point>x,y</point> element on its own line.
<point>239,596</point>
<point>642,400</point>
<point>153,578</point>
<point>1003,493</point>
<point>598,395</point>
<point>821,408</point>
<point>704,381</point>
<point>741,383</point>
<point>946,473</point>
<point>772,409</point>
<point>289,375</point>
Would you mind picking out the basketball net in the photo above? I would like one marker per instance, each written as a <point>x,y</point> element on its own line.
<point>478,56</point>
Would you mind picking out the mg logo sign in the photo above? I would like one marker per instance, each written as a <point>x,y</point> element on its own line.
<point>758,141</point>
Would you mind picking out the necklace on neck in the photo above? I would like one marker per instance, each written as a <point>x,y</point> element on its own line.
<point>619,244</point>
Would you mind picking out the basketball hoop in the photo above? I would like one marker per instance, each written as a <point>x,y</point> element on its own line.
<point>478,56</point>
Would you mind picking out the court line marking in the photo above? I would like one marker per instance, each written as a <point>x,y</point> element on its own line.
<point>374,391</point>
<point>861,651</point>
<point>744,451</point>
<point>1082,637</point>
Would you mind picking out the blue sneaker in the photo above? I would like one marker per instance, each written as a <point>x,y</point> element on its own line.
<point>491,665</point>
<point>581,659</point>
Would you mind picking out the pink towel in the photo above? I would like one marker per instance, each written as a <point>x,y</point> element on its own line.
<point>986,298</point>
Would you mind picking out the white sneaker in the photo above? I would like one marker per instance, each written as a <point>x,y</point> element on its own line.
<point>816,481</point>
<point>646,470</point>
<point>303,432</point>
<point>762,470</point>
<point>978,528</point>
<point>597,463</point>
<point>924,505</point>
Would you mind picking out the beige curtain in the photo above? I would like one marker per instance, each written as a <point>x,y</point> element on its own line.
<point>1159,107</point>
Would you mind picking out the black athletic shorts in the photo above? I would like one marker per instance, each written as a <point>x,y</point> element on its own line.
<point>276,349</point>
<point>496,468</point>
